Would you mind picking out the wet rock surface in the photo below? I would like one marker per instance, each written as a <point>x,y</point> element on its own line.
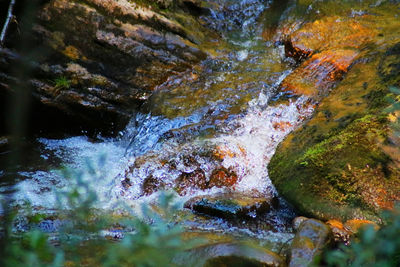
<point>230,254</point>
<point>187,182</point>
<point>99,60</point>
<point>317,75</point>
<point>231,205</point>
<point>311,238</point>
<point>337,165</point>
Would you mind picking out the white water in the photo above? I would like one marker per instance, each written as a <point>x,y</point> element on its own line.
<point>246,140</point>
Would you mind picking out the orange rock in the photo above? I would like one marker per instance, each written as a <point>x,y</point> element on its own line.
<point>326,34</point>
<point>222,177</point>
<point>335,224</point>
<point>319,73</point>
<point>282,125</point>
<point>340,234</point>
<point>355,225</point>
<point>222,152</point>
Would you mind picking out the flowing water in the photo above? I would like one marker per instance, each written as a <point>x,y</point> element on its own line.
<point>222,113</point>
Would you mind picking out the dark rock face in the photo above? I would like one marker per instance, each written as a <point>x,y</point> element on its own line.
<point>99,60</point>
<point>230,205</point>
<point>311,238</point>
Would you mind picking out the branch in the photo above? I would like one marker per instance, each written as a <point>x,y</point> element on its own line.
<point>7,23</point>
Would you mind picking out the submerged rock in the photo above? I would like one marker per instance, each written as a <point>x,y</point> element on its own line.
<point>151,184</point>
<point>310,240</point>
<point>231,205</point>
<point>230,254</point>
<point>222,177</point>
<point>187,182</point>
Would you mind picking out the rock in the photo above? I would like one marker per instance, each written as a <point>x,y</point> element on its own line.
<point>355,225</point>
<point>151,184</point>
<point>222,177</point>
<point>328,33</point>
<point>230,254</point>
<point>317,75</point>
<point>126,183</point>
<point>298,221</point>
<point>310,240</point>
<point>337,165</point>
<point>102,59</point>
<point>230,205</point>
<point>188,182</point>
<point>340,234</point>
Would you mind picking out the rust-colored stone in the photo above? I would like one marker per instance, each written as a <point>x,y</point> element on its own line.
<point>222,152</point>
<point>151,184</point>
<point>282,125</point>
<point>319,73</point>
<point>187,182</point>
<point>355,225</point>
<point>340,234</point>
<point>326,34</point>
<point>223,177</point>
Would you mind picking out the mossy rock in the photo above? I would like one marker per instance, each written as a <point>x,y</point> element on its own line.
<point>336,165</point>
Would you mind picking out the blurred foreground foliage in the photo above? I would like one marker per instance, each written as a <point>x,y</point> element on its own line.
<point>373,248</point>
<point>152,238</point>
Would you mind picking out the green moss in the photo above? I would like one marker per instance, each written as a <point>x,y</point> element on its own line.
<point>335,165</point>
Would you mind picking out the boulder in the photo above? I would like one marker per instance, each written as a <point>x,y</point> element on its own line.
<point>342,163</point>
<point>231,205</point>
<point>310,240</point>
<point>298,221</point>
<point>230,254</point>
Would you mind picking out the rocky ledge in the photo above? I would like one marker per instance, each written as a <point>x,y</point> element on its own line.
<point>97,61</point>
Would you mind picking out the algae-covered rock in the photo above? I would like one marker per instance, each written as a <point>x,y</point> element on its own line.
<point>310,240</point>
<point>341,164</point>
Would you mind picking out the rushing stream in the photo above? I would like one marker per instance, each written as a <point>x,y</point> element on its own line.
<point>224,108</point>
